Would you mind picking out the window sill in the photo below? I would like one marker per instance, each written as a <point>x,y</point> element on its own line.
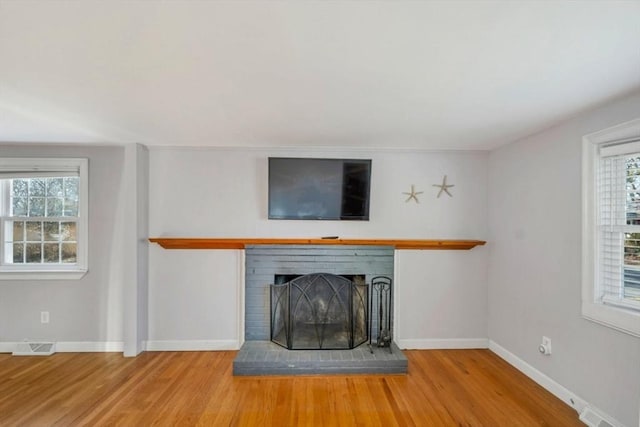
<point>623,320</point>
<point>42,274</point>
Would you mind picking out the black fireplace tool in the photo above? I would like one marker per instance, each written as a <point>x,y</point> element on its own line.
<point>381,293</point>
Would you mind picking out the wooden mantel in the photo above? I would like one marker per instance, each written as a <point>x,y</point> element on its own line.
<point>241,243</point>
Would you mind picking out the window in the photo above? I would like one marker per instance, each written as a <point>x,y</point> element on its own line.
<point>43,208</point>
<point>611,227</point>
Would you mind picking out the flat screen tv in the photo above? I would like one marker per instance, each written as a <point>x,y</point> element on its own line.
<point>320,189</point>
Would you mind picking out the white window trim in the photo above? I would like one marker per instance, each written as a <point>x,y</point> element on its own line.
<point>618,318</point>
<point>54,272</point>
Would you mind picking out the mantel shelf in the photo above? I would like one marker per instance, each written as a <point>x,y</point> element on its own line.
<point>241,243</point>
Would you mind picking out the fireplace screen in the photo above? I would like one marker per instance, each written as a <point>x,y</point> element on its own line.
<point>319,311</point>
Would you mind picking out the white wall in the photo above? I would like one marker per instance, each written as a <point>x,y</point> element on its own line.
<point>135,251</point>
<point>441,299</point>
<point>194,295</point>
<point>535,266</point>
<point>85,313</point>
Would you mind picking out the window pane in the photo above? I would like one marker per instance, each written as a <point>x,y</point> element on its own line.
<point>633,190</point>
<point>36,206</point>
<point>18,253</point>
<point>51,252</point>
<point>68,252</point>
<point>68,231</point>
<point>34,231</point>
<point>632,266</point>
<point>632,283</point>
<point>51,231</point>
<point>54,206</point>
<point>34,253</point>
<point>632,249</point>
<point>19,188</point>
<point>70,207</point>
<point>37,187</point>
<point>19,206</point>
<point>71,187</point>
<point>54,187</point>
<point>18,231</point>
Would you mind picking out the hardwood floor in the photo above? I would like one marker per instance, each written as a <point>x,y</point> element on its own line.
<point>443,388</point>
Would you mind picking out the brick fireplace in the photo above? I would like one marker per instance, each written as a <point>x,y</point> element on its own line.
<point>268,264</point>
<point>265,262</point>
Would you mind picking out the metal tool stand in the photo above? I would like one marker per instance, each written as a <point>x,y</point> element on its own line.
<point>381,293</point>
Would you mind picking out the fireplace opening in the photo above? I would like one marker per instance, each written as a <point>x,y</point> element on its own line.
<point>319,311</point>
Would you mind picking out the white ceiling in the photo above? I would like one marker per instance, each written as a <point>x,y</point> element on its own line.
<point>411,74</point>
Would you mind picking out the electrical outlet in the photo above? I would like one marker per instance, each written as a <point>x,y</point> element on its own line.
<point>545,346</point>
<point>44,317</point>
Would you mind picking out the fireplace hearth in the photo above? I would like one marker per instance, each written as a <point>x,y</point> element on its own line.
<point>320,311</point>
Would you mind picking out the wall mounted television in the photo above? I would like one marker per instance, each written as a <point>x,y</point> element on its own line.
<point>319,189</point>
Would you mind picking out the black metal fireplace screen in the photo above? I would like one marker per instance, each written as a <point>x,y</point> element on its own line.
<point>319,311</point>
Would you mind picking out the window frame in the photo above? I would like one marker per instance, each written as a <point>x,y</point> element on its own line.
<point>52,271</point>
<point>614,316</point>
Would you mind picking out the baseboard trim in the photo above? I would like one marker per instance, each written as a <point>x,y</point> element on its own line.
<point>562,393</point>
<point>75,346</point>
<point>89,346</point>
<point>594,417</point>
<point>7,347</point>
<point>442,344</point>
<point>192,345</point>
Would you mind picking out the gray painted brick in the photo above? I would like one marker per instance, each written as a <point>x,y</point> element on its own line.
<point>263,262</point>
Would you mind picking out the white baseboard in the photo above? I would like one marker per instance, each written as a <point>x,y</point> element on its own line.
<point>594,417</point>
<point>7,347</point>
<point>441,344</point>
<point>550,385</point>
<point>89,346</point>
<point>118,346</point>
<point>74,346</point>
<point>192,345</point>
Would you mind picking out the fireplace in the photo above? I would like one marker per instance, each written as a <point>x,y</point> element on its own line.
<point>320,311</point>
<point>323,350</point>
<point>267,264</point>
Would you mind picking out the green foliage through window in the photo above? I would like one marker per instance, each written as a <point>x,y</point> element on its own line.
<point>43,227</point>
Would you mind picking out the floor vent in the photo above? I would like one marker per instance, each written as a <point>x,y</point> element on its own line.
<point>34,349</point>
<point>594,419</point>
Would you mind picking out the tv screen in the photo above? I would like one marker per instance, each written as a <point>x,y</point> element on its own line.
<point>331,189</point>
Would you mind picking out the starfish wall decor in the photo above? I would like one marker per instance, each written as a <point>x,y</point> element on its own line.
<point>413,194</point>
<point>444,187</point>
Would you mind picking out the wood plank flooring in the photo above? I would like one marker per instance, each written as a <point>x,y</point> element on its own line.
<point>442,388</point>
